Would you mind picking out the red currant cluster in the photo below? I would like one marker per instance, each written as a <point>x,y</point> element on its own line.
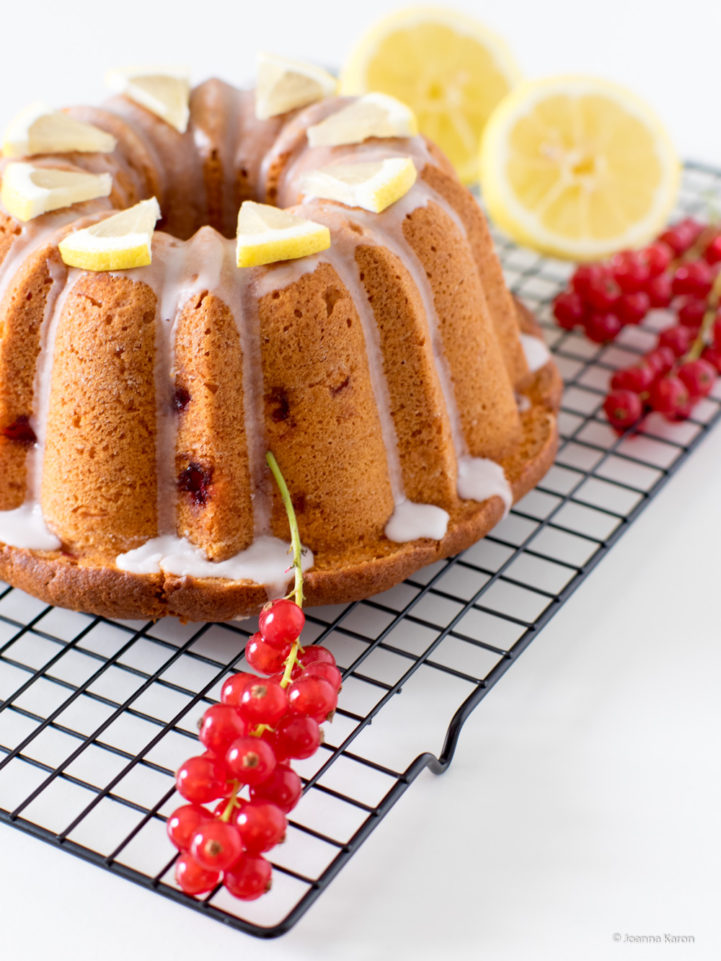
<point>680,271</point>
<point>259,726</point>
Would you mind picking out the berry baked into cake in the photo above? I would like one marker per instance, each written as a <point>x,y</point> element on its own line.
<point>322,287</point>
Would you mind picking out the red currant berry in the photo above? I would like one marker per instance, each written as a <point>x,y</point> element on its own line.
<point>678,339</point>
<point>201,779</point>
<point>264,702</point>
<point>216,845</point>
<point>316,654</point>
<point>600,328</point>
<point>262,657</point>
<point>716,331</point>
<point>660,360</point>
<point>569,310</point>
<point>261,826</point>
<point>657,256</point>
<point>296,736</point>
<point>636,379</point>
<point>192,878</point>
<point>692,278</point>
<point>282,788</point>
<point>586,276</point>
<point>632,308</point>
<point>281,623</point>
<point>329,672</point>
<point>669,396</point>
<point>712,254</point>
<point>312,696</point>
<point>698,377</point>
<point>603,297</point>
<point>220,726</point>
<point>623,409</point>
<point>681,236</point>
<point>233,687</point>
<point>184,822</point>
<point>691,312</point>
<point>250,760</point>
<point>659,291</point>
<point>713,356</point>
<point>249,878</point>
<point>630,271</point>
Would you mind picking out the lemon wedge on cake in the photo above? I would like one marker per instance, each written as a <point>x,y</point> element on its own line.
<point>373,115</point>
<point>373,184</point>
<point>284,85</point>
<point>449,68</point>
<point>267,234</point>
<point>577,167</point>
<point>119,242</point>
<point>165,93</point>
<point>39,129</point>
<point>29,191</point>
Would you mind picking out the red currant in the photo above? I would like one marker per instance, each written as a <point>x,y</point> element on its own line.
<point>184,822</point>
<point>669,396</point>
<point>587,276</point>
<point>623,409</point>
<point>312,696</point>
<point>220,726</point>
<point>632,308</point>
<point>201,779</point>
<point>316,654</point>
<point>262,657</point>
<point>264,702</point>
<point>261,826</point>
<point>249,878</point>
<point>281,623</point>
<point>216,845</point>
<point>712,253</point>
<point>698,376</point>
<point>569,310</point>
<point>660,359</point>
<point>636,379</point>
<point>677,339</point>
<point>681,236</point>
<point>659,291</point>
<point>601,328</point>
<point>282,788</point>
<point>630,271</point>
<point>250,760</point>
<point>691,312</point>
<point>329,672</point>
<point>713,356</point>
<point>296,736</point>
<point>192,878</point>
<point>603,296</point>
<point>694,277</point>
<point>658,256</point>
<point>233,687</point>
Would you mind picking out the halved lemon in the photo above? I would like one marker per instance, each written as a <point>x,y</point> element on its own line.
<point>29,191</point>
<point>449,68</point>
<point>119,242</point>
<point>372,184</point>
<point>164,92</point>
<point>39,129</point>
<point>267,234</point>
<point>577,167</point>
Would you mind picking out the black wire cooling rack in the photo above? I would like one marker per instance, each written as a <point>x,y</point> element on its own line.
<point>95,715</point>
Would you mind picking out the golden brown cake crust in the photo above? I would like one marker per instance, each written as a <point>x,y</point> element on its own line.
<point>59,579</point>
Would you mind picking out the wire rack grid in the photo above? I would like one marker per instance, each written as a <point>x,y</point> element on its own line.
<point>95,715</point>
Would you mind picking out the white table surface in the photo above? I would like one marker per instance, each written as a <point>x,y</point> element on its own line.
<point>584,798</point>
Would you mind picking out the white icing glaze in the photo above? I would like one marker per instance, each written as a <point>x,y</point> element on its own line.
<point>480,478</point>
<point>536,352</point>
<point>267,561</point>
<point>410,521</point>
<point>523,403</point>
<point>25,527</point>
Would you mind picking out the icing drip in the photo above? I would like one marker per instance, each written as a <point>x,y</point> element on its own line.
<point>267,561</point>
<point>25,527</point>
<point>536,352</point>
<point>480,478</point>
<point>410,521</point>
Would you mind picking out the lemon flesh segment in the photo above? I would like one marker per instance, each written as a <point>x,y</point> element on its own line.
<point>283,85</point>
<point>373,115</point>
<point>373,185</point>
<point>29,191</point>
<point>166,94</point>
<point>118,242</point>
<point>38,129</point>
<point>450,69</point>
<point>267,235</point>
<point>578,168</point>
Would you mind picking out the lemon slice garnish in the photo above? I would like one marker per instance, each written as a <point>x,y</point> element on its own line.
<point>284,85</point>
<point>374,115</point>
<point>28,191</point>
<point>119,242</point>
<point>39,129</point>
<point>373,185</point>
<point>578,167</point>
<point>450,69</point>
<point>267,234</point>
<point>165,93</point>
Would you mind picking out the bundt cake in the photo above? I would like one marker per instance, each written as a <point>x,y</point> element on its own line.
<point>406,396</point>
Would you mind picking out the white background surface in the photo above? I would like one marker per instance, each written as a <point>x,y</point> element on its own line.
<point>584,799</point>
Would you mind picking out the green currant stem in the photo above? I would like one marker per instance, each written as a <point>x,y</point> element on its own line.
<point>290,662</point>
<point>232,803</point>
<point>709,317</point>
<point>296,545</point>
